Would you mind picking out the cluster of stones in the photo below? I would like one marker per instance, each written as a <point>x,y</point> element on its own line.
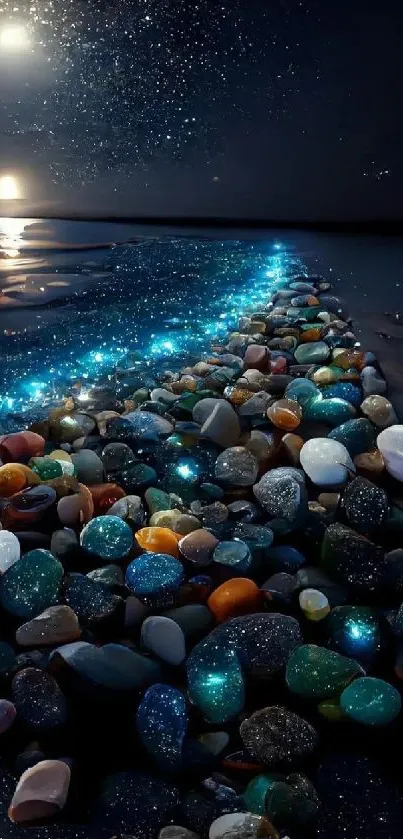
<point>237,522</point>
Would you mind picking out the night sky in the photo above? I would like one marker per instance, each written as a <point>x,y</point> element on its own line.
<point>271,108</point>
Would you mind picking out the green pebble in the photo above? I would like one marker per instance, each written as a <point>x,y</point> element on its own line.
<point>331,411</point>
<point>371,701</point>
<point>46,468</point>
<point>315,352</point>
<point>157,500</point>
<point>317,673</point>
<point>31,584</point>
<point>256,793</point>
<point>357,435</point>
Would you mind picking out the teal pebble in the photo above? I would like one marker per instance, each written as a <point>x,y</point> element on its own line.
<point>331,411</point>
<point>154,577</point>
<point>371,701</point>
<point>215,682</point>
<point>302,391</point>
<point>235,554</point>
<point>109,537</point>
<point>357,435</point>
<point>315,352</point>
<point>31,584</point>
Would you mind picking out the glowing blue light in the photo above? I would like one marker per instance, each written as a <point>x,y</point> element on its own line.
<point>184,471</point>
<point>98,356</point>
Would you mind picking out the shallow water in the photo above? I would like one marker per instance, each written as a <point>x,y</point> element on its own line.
<point>78,299</point>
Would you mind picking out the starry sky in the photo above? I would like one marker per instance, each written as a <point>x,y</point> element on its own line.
<point>280,109</point>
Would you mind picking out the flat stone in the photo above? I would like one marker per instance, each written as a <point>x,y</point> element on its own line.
<point>56,625</point>
<point>372,382</point>
<point>41,792</point>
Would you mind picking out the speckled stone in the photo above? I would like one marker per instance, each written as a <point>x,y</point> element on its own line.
<point>282,495</point>
<point>355,631</point>
<point>31,584</point>
<point>40,703</point>
<point>277,737</point>
<point>236,467</point>
<point>161,722</point>
<point>366,506</point>
<point>215,682</point>
<point>352,559</point>
<point>108,537</point>
<point>56,625</point>
<point>133,798</point>
<point>317,673</point>
<point>371,701</point>
<point>91,601</point>
<point>154,577</point>
<point>357,435</point>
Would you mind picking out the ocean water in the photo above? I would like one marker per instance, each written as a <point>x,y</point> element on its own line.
<point>88,305</point>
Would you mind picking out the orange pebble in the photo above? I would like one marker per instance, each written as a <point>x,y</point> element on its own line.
<point>309,335</point>
<point>31,478</point>
<point>239,596</point>
<point>158,540</point>
<point>285,413</point>
<point>12,479</point>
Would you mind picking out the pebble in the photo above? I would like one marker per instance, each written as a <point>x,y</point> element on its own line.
<point>285,413</point>
<point>317,673</point>
<point>197,547</point>
<point>366,506</point>
<point>237,826</point>
<point>161,722</point>
<point>158,540</point>
<point>277,737</point>
<point>114,667</point>
<point>39,702</point>
<point>371,701</point>
<point>236,467</point>
<point>314,604</point>
<point>41,792</point>
<point>10,550</point>
<point>390,444</point>
<point>109,537</point>
<point>357,435</point>
<point>164,637</point>
<point>352,559</point>
<point>8,713</point>
<point>379,410</point>
<point>155,577</point>
<point>326,462</point>
<point>56,625</point>
<point>31,584</point>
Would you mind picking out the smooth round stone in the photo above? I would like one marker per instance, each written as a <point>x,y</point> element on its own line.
<point>70,510</point>
<point>257,537</point>
<point>154,577</point>
<point>132,799</point>
<point>29,505</point>
<point>357,435</point>
<point>111,666</point>
<point>21,446</point>
<point>146,425</point>
<point>293,803</point>
<point>256,357</point>
<point>343,390</point>
<point>318,673</point>
<point>372,382</point>
<point>390,444</point>
<point>161,722</point>
<point>130,509</point>
<point>215,683</point>
<point>40,703</point>
<point>277,737</point>
<point>292,445</point>
<point>8,714</point>
<point>255,405</point>
<point>234,597</point>
<point>12,479</point>
<point>301,391</point>
<point>194,619</point>
<point>156,500</point>
<point>109,537</point>
<point>157,540</point>
<point>379,410</point>
<point>283,495</point>
<point>314,353</point>
<point>352,559</point>
<point>370,464</point>
<point>326,462</point>
<point>31,584</point>
<point>89,467</point>
<point>330,411</point>
<point>237,467</point>
<point>237,826</point>
<point>185,524</point>
<point>56,625</point>
<point>215,741</point>
<point>10,550</point>
<point>371,701</point>
<point>366,506</point>
<point>355,631</point>
<point>235,554</point>
<point>256,793</point>
<point>41,792</point>
<point>198,547</point>
<point>285,414</point>
<point>91,601</point>
<point>165,638</point>
<point>314,604</point>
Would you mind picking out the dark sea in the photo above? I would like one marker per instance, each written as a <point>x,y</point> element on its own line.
<point>94,304</point>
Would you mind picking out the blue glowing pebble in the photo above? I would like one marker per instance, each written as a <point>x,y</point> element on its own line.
<point>331,411</point>
<point>355,631</point>
<point>301,391</point>
<point>161,722</point>
<point>357,435</point>
<point>215,681</point>
<point>109,537</point>
<point>343,390</point>
<point>371,701</point>
<point>154,577</point>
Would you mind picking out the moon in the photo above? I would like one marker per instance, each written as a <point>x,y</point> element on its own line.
<point>14,38</point>
<point>9,188</point>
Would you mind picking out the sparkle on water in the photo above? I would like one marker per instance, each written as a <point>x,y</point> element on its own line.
<point>140,306</point>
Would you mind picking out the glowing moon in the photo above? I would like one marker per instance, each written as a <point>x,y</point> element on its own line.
<point>9,188</point>
<point>13,38</point>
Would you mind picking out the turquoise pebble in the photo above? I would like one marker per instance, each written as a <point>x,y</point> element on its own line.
<point>357,435</point>
<point>371,701</point>
<point>216,683</point>
<point>302,391</point>
<point>315,352</point>
<point>161,722</point>
<point>234,554</point>
<point>154,577</point>
<point>31,584</point>
<point>256,793</point>
<point>331,411</point>
<point>108,537</point>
